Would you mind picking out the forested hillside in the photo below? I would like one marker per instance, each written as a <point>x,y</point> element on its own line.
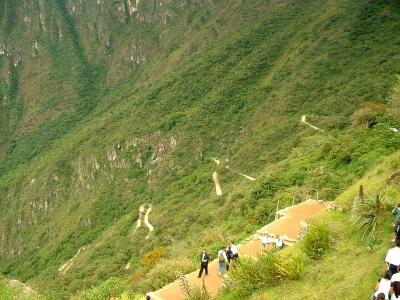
<point>110,105</point>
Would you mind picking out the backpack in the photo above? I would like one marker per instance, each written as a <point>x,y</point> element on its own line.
<point>229,253</point>
<point>221,257</point>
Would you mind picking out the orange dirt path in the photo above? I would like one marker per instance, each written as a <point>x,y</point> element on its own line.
<point>287,225</point>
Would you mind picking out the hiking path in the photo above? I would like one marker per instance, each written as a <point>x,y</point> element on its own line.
<point>287,225</point>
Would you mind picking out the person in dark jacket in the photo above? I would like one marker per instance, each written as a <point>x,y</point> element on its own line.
<point>396,214</point>
<point>229,255</point>
<point>204,260</point>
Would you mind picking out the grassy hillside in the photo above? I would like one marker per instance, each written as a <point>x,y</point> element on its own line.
<point>232,85</point>
<point>354,259</point>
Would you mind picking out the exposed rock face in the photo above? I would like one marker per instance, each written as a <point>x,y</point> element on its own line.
<point>24,291</point>
<point>76,46</point>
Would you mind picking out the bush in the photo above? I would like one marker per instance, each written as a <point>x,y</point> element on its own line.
<point>198,293</point>
<point>369,114</point>
<point>151,258</point>
<point>165,272</point>
<point>268,270</point>
<point>111,287</point>
<point>317,240</point>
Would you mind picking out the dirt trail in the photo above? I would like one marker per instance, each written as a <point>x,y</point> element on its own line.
<point>304,121</point>
<point>287,225</point>
<point>69,264</point>
<point>218,188</point>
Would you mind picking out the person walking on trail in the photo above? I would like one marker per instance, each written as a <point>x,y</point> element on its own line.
<point>204,260</point>
<point>222,261</point>
<point>235,255</point>
<point>279,243</point>
<point>265,241</point>
<point>229,256</point>
<point>383,286</point>
<point>396,214</point>
<point>395,291</point>
<point>393,258</point>
<point>381,296</point>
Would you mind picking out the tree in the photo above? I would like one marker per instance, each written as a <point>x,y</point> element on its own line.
<point>369,114</point>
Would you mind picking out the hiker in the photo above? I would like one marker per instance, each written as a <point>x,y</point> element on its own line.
<point>152,296</point>
<point>204,259</point>
<point>229,256</point>
<point>383,286</point>
<point>222,261</point>
<point>396,214</point>
<point>235,255</point>
<point>395,280</point>
<point>395,291</point>
<point>393,258</point>
<point>265,241</point>
<point>279,243</point>
<point>381,296</point>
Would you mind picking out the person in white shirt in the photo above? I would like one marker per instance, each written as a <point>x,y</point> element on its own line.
<point>265,241</point>
<point>395,277</point>
<point>393,258</point>
<point>279,243</point>
<point>383,286</point>
<point>152,296</point>
<point>222,261</point>
<point>235,255</point>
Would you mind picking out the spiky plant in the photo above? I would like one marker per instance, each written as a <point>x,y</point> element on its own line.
<point>184,284</point>
<point>368,215</point>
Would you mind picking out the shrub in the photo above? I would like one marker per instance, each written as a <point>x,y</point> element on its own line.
<point>317,240</point>
<point>369,114</point>
<point>268,270</point>
<point>198,293</point>
<point>151,258</point>
<point>165,272</point>
<point>111,287</point>
<point>127,296</point>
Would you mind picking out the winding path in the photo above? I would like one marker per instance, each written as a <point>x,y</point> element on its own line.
<point>287,225</point>
<point>304,121</point>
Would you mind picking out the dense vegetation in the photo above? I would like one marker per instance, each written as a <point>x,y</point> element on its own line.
<point>219,81</point>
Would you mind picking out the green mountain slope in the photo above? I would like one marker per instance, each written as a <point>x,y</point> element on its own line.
<point>333,276</point>
<point>129,107</point>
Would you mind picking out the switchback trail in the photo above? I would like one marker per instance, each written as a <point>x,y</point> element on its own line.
<point>287,225</point>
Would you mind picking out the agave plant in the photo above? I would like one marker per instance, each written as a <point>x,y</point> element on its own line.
<point>184,284</point>
<point>368,215</point>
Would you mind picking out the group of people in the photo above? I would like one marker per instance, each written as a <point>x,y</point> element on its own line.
<point>228,257</point>
<point>388,287</point>
<point>268,240</point>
